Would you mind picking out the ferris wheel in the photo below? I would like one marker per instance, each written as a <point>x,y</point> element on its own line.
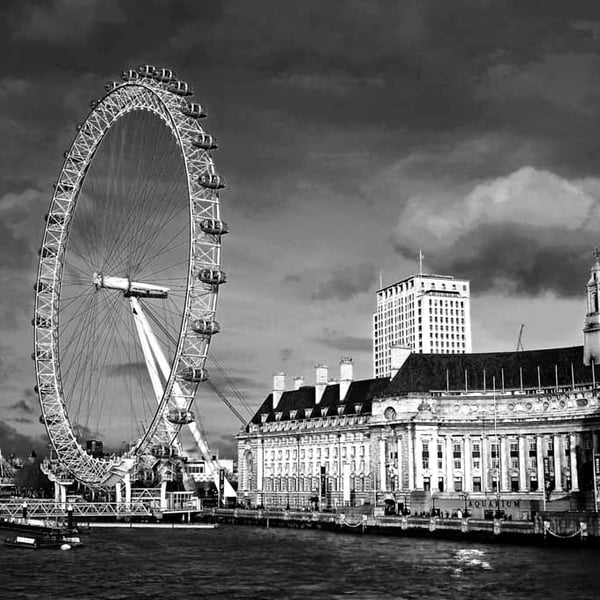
<point>128,278</point>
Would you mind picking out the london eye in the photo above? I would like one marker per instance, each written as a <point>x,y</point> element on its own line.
<point>128,278</point>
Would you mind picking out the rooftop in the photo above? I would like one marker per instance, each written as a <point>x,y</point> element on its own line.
<point>551,367</point>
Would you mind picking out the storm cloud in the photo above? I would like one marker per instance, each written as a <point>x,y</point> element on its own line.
<point>351,135</point>
<point>529,232</point>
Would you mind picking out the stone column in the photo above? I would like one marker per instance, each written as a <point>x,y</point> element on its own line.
<point>382,474</point>
<point>539,451</point>
<point>467,457</point>
<point>573,462</point>
<point>433,462</point>
<point>503,464</point>
<point>418,461</point>
<point>558,452</point>
<point>411,459</point>
<point>400,473</point>
<point>522,465</point>
<point>260,460</point>
<point>449,465</point>
<point>485,462</point>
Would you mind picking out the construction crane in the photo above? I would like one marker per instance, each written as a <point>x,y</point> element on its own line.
<point>520,340</point>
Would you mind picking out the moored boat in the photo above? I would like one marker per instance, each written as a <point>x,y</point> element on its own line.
<point>40,541</point>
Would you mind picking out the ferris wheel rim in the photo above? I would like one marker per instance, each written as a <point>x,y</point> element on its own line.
<point>204,251</point>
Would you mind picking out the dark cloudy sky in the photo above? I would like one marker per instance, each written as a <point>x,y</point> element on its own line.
<point>352,134</point>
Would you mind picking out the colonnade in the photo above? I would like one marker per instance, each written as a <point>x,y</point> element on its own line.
<point>422,458</point>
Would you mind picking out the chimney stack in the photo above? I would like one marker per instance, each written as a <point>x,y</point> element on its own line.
<point>278,388</point>
<point>346,374</point>
<point>399,354</point>
<point>320,382</point>
<point>298,382</point>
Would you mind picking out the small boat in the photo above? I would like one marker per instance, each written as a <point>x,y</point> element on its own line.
<point>22,541</point>
<point>64,542</point>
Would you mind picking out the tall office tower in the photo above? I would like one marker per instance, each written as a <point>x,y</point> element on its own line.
<point>426,313</point>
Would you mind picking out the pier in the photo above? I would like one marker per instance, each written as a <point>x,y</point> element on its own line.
<point>99,511</point>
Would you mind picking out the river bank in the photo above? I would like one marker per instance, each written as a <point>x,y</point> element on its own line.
<point>551,529</point>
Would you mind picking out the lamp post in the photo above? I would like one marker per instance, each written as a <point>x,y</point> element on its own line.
<point>465,497</point>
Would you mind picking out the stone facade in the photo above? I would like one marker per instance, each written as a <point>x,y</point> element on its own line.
<point>515,432</point>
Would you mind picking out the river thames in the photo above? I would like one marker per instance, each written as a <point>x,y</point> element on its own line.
<point>248,562</point>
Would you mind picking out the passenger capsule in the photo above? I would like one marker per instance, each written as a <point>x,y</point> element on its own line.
<point>164,75</point>
<point>196,111</point>
<point>181,88</point>
<point>212,276</point>
<point>42,355</point>
<point>146,70</point>
<point>205,141</point>
<point>111,85</point>
<point>206,326</point>
<point>94,103</point>
<point>180,416</point>
<point>129,75</point>
<point>194,374</point>
<point>212,181</point>
<point>214,227</point>
<point>164,451</point>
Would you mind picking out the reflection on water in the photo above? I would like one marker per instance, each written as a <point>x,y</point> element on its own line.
<point>247,562</point>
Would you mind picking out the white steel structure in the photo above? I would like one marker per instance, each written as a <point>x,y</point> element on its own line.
<point>128,278</point>
<point>425,313</point>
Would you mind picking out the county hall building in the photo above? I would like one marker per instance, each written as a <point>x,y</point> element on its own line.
<point>515,432</point>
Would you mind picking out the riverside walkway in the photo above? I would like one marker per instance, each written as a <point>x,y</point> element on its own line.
<point>565,528</point>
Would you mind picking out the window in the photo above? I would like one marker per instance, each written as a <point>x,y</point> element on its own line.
<point>425,455</point>
<point>476,484</point>
<point>457,455</point>
<point>458,484</point>
<point>495,456</point>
